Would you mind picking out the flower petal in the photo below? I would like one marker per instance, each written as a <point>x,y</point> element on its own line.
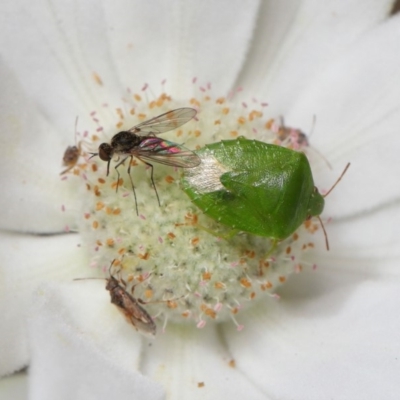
<point>357,105</point>
<point>88,54</point>
<point>334,327</point>
<point>27,261</point>
<point>296,40</point>
<point>181,40</point>
<point>14,387</point>
<point>193,363</point>
<point>32,192</point>
<point>83,348</point>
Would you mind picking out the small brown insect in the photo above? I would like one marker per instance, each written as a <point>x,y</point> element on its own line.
<point>71,154</point>
<point>130,307</point>
<point>70,158</point>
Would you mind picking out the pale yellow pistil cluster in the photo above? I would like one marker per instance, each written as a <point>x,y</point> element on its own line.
<point>166,255</point>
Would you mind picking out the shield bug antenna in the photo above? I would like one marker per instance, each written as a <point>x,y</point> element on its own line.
<point>127,304</point>
<point>326,194</point>
<point>141,142</point>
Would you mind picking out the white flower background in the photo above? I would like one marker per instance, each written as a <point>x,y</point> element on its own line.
<point>335,333</point>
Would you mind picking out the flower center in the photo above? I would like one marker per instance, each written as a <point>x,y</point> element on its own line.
<point>170,256</point>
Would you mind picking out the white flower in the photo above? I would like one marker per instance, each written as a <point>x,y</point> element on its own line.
<point>334,333</point>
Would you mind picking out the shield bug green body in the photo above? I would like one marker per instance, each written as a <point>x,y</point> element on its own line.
<point>255,187</point>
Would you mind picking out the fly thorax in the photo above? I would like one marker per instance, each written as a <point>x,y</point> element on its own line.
<point>124,142</point>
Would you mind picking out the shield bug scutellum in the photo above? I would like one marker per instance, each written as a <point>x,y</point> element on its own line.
<point>255,187</point>
<point>140,142</point>
<point>130,307</point>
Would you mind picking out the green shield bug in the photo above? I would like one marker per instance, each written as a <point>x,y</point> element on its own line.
<point>255,187</point>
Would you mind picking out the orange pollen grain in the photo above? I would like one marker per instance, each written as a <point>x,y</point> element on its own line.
<point>179,132</point>
<point>234,133</point>
<point>95,224</point>
<point>120,113</point>
<point>207,98</point>
<point>241,120</point>
<point>250,253</point>
<point>288,250</point>
<point>269,123</point>
<point>225,111</point>
<point>245,282</point>
<point>109,210</point>
<point>171,235</point>
<point>119,183</point>
<point>219,285</point>
<point>99,205</point>
<point>88,186</point>
<point>172,304</point>
<point>185,314</point>
<point>210,313</point>
<point>252,295</point>
<point>234,310</point>
<point>101,180</point>
<point>295,236</point>
<point>148,293</point>
<point>255,114</point>
<point>116,211</point>
<point>137,97</point>
<point>266,285</point>
<point>110,242</point>
<point>195,241</point>
<point>197,133</point>
<point>142,116</point>
<point>169,179</point>
<point>97,78</point>
<point>194,102</point>
<point>220,100</point>
<point>95,138</point>
<point>119,124</point>
<point>282,279</point>
<point>121,251</point>
<point>232,363</point>
<point>217,122</point>
<point>94,167</point>
<point>96,191</point>
<point>132,111</point>
<point>152,104</point>
<point>99,243</point>
<point>200,384</point>
<point>206,276</point>
<point>144,256</point>
<point>75,171</point>
<point>191,218</point>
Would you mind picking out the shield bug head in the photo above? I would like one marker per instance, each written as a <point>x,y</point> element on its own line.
<point>255,187</point>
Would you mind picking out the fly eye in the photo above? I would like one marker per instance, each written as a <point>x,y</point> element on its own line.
<point>105,152</point>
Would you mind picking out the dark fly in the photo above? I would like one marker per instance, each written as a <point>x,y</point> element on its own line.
<point>141,142</point>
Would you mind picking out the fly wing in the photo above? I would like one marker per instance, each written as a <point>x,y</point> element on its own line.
<point>165,122</point>
<point>166,152</point>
